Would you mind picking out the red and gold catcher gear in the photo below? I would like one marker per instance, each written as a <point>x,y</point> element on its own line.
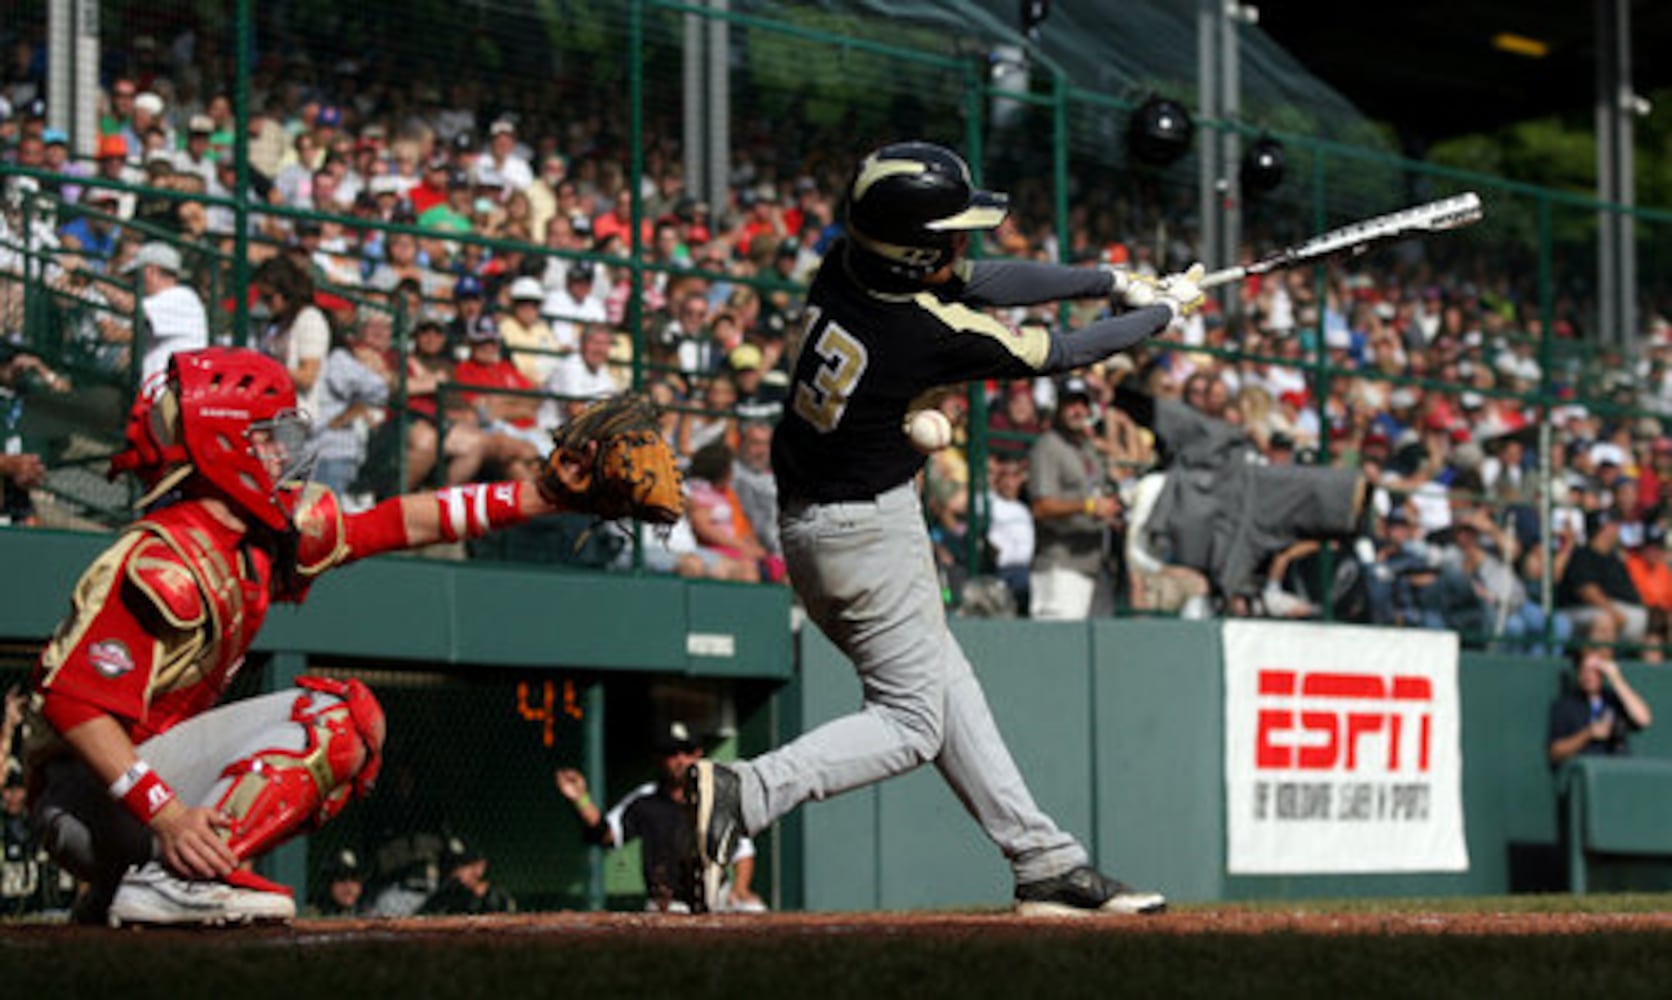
<point>276,793</point>
<point>228,415</point>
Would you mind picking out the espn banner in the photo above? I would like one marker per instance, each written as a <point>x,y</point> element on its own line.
<point>1342,752</point>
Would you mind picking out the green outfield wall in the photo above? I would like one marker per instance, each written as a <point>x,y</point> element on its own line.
<point>1117,725</point>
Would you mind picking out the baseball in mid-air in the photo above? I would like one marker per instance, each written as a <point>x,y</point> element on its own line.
<point>929,430</point>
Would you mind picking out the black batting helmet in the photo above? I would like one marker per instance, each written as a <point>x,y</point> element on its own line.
<point>906,202</point>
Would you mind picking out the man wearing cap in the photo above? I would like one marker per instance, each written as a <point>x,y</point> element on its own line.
<point>148,115</point>
<point>572,302</point>
<point>656,813</point>
<point>174,316</point>
<point>1597,584</point>
<point>23,875</point>
<point>757,399</point>
<point>95,233</point>
<point>452,212</point>
<point>431,189</point>
<point>1072,509</point>
<point>196,157</point>
<point>465,888</point>
<point>534,348</point>
<point>514,441</point>
<point>500,166</point>
<point>342,886</point>
<point>468,306</point>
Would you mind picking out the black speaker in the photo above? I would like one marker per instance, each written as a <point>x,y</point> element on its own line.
<point>1159,132</point>
<point>1262,167</point>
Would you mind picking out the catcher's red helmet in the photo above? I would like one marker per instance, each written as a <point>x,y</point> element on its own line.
<point>229,415</point>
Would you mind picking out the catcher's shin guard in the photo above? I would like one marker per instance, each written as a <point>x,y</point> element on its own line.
<point>276,793</point>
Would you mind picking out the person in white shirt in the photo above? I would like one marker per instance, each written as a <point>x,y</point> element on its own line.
<point>501,160</point>
<point>174,316</point>
<point>579,378</point>
<point>299,335</point>
<point>1010,523</point>
<point>571,305</point>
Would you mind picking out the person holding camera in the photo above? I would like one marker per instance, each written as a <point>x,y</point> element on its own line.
<point>1602,711</point>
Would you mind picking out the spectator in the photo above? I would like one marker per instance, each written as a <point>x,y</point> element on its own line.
<point>342,887</point>
<point>21,863</point>
<point>96,232</point>
<point>717,517</point>
<point>196,159</point>
<point>716,422</point>
<point>656,814</point>
<point>357,384</point>
<point>572,304</point>
<point>1486,553</point>
<point>1597,583</point>
<point>756,487</point>
<point>297,336</point>
<point>688,335</point>
<point>533,347</point>
<point>513,441</point>
<point>579,378</point>
<point>1072,512</point>
<point>1652,576</point>
<point>468,306</point>
<point>1016,419</point>
<point>174,316</point>
<point>453,209</point>
<point>501,163</point>
<point>429,367</point>
<point>1601,710</point>
<point>757,398</point>
<point>465,888</point>
<point>1010,529</point>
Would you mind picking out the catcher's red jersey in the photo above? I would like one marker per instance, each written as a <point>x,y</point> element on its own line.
<point>160,623</point>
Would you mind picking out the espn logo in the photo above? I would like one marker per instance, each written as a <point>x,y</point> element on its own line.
<point>1316,721</point>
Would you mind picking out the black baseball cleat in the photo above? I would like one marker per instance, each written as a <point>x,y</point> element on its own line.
<point>1084,892</point>
<point>712,791</point>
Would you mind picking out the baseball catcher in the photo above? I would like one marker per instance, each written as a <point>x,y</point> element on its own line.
<point>138,785</point>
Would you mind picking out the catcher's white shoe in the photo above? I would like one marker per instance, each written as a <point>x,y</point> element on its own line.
<point>150,894</point>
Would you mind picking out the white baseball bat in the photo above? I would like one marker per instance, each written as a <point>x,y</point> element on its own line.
<point>1436,216</point>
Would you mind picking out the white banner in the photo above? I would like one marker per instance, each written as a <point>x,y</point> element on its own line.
<point>1342,752</point>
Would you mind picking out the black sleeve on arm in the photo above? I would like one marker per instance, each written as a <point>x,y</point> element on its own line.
<point>1093,343</point>
<point>1027,282</point>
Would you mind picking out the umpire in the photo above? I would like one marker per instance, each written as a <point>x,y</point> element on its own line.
<point>895,311</point>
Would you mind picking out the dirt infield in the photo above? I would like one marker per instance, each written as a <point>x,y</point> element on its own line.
<point>929,926</point>
<point>1209,952</point>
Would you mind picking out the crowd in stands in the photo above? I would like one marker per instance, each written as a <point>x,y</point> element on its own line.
<point>447,348</point>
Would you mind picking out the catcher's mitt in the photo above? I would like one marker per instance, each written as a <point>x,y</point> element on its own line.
<point>631,472</point>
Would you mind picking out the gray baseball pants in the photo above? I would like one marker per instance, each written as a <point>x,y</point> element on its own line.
<point>866,574</point>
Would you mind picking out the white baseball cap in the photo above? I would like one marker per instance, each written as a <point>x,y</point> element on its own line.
<point>159,254</point>
<point>527,289</point>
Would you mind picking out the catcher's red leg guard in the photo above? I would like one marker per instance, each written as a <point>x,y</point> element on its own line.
<point>276,793</point>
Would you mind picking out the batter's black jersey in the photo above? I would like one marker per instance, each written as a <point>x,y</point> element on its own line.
<point>865,356</point>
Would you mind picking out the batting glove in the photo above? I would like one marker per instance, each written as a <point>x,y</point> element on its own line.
<point>1182,292</point>
<point>1132,289</point>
